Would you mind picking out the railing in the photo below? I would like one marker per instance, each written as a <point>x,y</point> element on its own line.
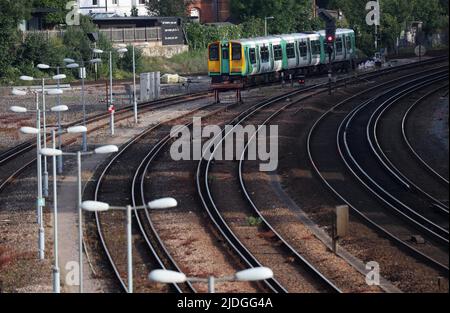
<point>114,34</point>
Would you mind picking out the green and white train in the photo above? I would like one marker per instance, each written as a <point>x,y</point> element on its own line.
<point>269,57</point>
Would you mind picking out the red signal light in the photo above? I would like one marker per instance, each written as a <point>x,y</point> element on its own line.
<point>330,38</point>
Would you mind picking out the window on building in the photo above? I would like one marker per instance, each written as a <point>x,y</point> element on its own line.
<point>277,53</point>
<point>214,52</point>
<point>236,52</point>
<point>339,45</point>
<point>94,2</point>
<point>303,49</point>
<point>315,47</point>
<point>141,1</point>
<point>252,55</point>
<point>116,2</point>
<point>264,54</point>
<point>290,50</point>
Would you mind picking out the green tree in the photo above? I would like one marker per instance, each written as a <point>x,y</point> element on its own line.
<point>290,15</point>
<point>168,7</point>
<point>134,11</point>
<point>11,13</point>
<point>57,17</point>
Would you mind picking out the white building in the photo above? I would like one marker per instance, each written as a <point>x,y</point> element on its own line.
<point>111,7</point>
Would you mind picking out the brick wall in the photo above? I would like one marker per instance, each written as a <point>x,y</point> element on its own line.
<point>212,11</point>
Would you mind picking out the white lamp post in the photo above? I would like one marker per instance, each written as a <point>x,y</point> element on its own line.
<point>40,202</point>
<point>101,150</point>
<point>171,277</point>
<point>160,204</point>
<point>44,91</point>
<point>265,23</point>
<point>111,101</point>
<point>54,153</point>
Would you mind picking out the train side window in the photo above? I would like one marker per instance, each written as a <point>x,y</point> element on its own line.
<point>339,45</point>
<point>348,43</point>
<point>214,52</point>
<point>277,53</point>
<point>315,47</point>
<point>252,55</point>
<point>236,52</point>
<point>264,54</point>
<point>290,50</point>
<point>303,49</point>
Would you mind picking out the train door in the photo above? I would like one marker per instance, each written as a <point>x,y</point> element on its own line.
<point>225,52</point>
<point>308,50</point>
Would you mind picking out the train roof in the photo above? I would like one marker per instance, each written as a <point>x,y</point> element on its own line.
<point>289,37</point>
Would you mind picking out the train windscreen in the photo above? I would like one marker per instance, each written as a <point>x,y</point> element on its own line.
<point>214,52</point>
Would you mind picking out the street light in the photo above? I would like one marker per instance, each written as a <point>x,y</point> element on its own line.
<point>171,277</point>
<point>53,152</point>
<point>265,23</point>
<point>40,202</point>
<point>99,51</point>
<point>50,92</point>
<point>160,204</point>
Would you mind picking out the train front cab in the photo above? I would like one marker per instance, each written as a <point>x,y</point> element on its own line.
<point>214,69</point>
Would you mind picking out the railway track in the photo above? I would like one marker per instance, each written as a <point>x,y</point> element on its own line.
<point>359,194</point>
<point>308,271</point>
<point>374,133</point>
<point>135,155</point>
<point>405,120</point>
<point>15,160</point>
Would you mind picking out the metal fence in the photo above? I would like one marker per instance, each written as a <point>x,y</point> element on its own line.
<point>114,34</point>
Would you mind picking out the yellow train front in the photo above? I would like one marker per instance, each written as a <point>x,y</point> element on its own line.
<point>226,61</point>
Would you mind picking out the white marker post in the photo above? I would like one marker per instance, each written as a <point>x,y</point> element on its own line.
<point>112,110</point>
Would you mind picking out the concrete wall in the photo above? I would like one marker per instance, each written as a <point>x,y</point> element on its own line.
<point>156,49</point>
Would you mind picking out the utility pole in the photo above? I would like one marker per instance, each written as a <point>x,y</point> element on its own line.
<point>330,37</point>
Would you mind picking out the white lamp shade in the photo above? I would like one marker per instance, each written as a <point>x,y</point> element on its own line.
<point>94,61</point>
<point>95,206</point>
<point>167,277</point>
<point>77,129</point>
<point>43,66</point>
<point>68,60</point>
<point>18,92</point>
<point>54,91</point>
<point>122,50</point>
<point>60,76</point>
<point>60,108</point>
<point>97,51</point>
<point>29,130</point>
<point>26,78</point>
<point>254,274</point>
<point>17,109</point>
<point>162,204</point>
<point>106,149</point>
<point>72,65</point>
<point>50,152</point>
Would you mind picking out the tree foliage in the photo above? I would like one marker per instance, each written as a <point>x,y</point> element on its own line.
<point>168,7</point>
<point>290,15</point>
<point>396,16</point>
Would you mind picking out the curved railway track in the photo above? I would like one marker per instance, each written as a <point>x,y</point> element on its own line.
<point>153,242</point>
<point>353,137</point>
<point>334,121</point>
<point>411,148</point>
<point>373,130</point>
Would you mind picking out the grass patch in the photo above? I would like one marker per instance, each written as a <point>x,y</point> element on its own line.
<point>254,221</point>
<point>190,62</point>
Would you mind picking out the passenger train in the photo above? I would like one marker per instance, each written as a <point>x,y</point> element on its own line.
<point>246,60</point>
